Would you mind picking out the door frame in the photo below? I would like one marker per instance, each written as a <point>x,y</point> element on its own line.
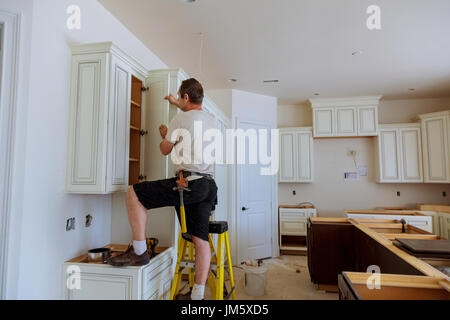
<point>274,198</point>
<point>8,106</point>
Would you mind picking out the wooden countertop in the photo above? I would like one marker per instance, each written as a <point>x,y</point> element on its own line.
<point>433,207</point>
<point>115,248</point>
<point>296,206</point>
<point>386,212</point>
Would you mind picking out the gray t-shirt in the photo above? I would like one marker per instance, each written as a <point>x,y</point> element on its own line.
<point>191,125</point>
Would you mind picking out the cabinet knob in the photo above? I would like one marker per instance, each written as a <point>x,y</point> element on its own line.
<point>141,177</point>
<point>143,132</point>
<point>244,208</point>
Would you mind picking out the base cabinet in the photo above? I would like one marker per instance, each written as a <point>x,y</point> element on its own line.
<point>92,281</point>
<point>423,222</point>
<point>293,228</point>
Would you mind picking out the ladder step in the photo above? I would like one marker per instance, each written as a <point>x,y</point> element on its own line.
<point>191,264</point>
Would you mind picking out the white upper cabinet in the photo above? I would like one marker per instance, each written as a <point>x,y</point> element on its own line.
<point>399,153</point>
<point>345,117</point>
<point>99,118</point>
<point>296,155</point>
<point>346,121</point>
<point>436,146</point>
<point>323,122</point>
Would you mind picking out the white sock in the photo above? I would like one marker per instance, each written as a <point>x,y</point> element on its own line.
<point>198,292</point>
<point>139,247</point>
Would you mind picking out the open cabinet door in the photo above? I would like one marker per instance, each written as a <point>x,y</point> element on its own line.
<point>162,223</point>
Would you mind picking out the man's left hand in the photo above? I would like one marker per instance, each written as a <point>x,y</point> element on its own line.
<point>163,131</point>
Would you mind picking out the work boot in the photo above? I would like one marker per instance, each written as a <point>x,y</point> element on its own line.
<point>129,258</point>
<point>184,296</point>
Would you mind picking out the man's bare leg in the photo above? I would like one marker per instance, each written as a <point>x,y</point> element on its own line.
<point>137,215</point>
<point>202,264</point>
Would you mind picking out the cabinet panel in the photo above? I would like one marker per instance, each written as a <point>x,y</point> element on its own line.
<point>293,227</point>
<point>346,122</point>
<point>388,153</point>
<point>323,122</point>
<point>411,155</point>
<point>87,122</point>
<point>119,115</point>
<point>304,157</point>
<point>287,157</point>
<point>435,149</point>
<point>367,121</point>
<point>102,287</point>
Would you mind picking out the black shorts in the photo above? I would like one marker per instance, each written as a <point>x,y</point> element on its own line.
<point>198,203</point>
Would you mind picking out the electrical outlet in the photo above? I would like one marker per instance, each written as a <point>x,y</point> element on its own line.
<point>70,224</point>
<point>88,220</point>
<point>444,194</point>
<point>294,193</point>
<point>398,193</point>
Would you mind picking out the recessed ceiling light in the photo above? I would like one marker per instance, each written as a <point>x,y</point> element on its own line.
<point>412,89</point>
<point>270,81</point>
<point>356,53</point>
<point>232,80</point>
<point>317,94</point>
<point>189,0</point>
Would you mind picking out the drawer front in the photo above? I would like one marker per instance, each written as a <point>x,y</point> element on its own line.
<point>154,275</point>
<point>296,213</point>
<point>293,227</point>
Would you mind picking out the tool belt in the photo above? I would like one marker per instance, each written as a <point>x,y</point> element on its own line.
<point>194,173</point>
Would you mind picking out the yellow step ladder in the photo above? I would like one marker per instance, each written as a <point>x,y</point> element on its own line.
<point>216,275</point>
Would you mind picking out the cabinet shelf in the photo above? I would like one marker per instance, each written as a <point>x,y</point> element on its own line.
<point>134,128</point>
<point>134,160</point>
<point>134,103</point>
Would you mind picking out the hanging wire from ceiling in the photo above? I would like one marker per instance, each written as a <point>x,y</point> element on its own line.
<point>201,56</point>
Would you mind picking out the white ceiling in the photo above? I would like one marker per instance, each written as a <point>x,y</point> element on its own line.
<point>306,44</point>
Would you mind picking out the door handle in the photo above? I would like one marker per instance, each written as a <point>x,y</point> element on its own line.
<point>244,208</point>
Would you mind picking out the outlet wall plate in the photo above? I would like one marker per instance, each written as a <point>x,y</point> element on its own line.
<point>70,224</point>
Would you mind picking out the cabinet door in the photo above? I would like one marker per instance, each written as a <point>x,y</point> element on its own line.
<point>287,157</point>
<point>304,155</point>
<point>367,121</point>
<point>411,155</point>
<point>444,222</point>
<point>118,126</point>
<point>323,122</point>
<point>435,150</point>
<point>346,119</point>
<point>87,139</point>
<point>388,155</point>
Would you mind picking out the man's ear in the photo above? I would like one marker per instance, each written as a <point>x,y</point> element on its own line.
<point>186,97</point>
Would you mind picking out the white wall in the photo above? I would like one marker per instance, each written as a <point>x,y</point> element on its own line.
<point>330,193</point>
<point>39,242</point>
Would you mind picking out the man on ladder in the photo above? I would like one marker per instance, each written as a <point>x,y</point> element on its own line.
<point>199,201</point>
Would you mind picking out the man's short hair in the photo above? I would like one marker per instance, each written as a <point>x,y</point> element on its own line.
<point>193,89</point>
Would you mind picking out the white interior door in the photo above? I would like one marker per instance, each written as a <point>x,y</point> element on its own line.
<point>255,207</point>
<point>9,66</point>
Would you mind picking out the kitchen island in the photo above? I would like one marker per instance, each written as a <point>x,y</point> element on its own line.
<point>337,245</point>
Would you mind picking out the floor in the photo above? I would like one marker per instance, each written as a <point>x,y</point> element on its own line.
<point>287,278</point>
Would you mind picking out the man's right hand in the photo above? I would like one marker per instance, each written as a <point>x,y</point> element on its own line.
<point>171,99</point>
